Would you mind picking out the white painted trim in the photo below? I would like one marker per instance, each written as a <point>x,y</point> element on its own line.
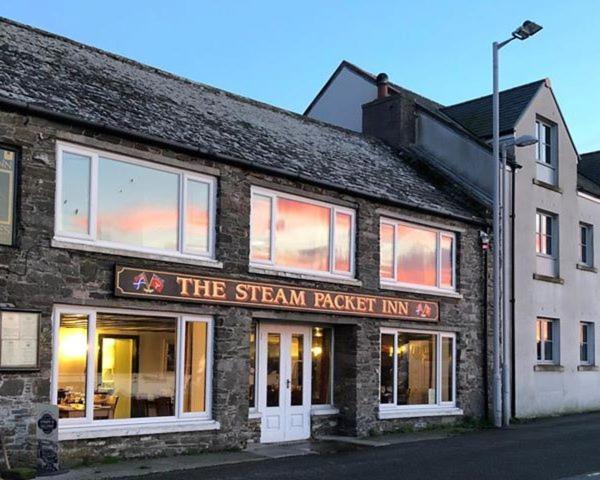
<point>86,427</point>
<point>317,410</point>
<point>438,411</point>
<point>84,246</point>
<point>394,216</point>
<point>91,237</point>
<point>281,272</point>
<point>589,197</point>
<point>438,292</point>
<point>103,431</point>
<point>333,210</point>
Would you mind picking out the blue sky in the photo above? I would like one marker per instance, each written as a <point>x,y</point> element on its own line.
<point>281,52</point>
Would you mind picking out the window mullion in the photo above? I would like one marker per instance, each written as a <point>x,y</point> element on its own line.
<point>179,366</point>
<point>93,213</point>
<point>181,226</point>
<point>90,367</point>
<point>274,209</point>
<point>332,240</point>
<point>395,379</point>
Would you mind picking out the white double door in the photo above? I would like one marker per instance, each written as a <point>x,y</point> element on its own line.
<point>284,382</point>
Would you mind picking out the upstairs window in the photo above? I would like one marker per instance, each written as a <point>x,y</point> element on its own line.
<point>412,255</point>
<point>118,202</point>
<point>546,152</point>
<point>8,166</point>
<point>547,340</point>
<point>296,234</point>
<point>586,245</point>
<point>546,243</point>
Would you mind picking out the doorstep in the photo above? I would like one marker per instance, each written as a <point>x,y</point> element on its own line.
<point>387,438</point>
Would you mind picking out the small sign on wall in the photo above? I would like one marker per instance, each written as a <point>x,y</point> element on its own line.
<point>46,417</point>
<point>19,339</point>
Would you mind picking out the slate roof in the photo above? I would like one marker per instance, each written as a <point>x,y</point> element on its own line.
<point>588,173</point>
<point>476,115</point>
<point>55,74</point>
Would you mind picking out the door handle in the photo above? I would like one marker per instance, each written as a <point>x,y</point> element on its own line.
<point>288,383</point>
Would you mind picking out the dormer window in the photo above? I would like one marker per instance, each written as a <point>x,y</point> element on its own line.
<point>546,152</point>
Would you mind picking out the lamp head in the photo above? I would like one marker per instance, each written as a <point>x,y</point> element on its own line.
<point>525,141</point>
<point>526,30</point>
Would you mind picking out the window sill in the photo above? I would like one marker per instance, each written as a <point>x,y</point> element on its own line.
<point>549,186</point>
<point>96,430</point>
<point>305,276</point>
<point>424,291</point>
<point>187,260</point>
<point>323,410</point>
<point>587,368</point>
<point>436,411</point>
<point>586,268</point>
<point>549,279</point>
<point>542,367</point>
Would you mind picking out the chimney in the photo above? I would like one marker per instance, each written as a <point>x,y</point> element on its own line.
<point>391,118</point>
<point>382,85</point>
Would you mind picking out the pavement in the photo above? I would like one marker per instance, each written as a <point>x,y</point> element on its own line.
<point>562,448</point>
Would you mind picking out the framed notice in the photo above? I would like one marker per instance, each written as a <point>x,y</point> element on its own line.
<point>19,339</point>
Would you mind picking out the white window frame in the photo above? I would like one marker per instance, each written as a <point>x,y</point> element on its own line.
<point>590,346</point>
<point>589,245</point>
<point>86,427</point>
<point>334,209</point>
<point>553,233</point>
<point>91,237</point>
<point>540,150</point>
<point>390,410</point>
<point>392,282</point>
<point>555,360</point>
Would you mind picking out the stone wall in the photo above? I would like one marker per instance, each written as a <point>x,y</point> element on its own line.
<point>34,274</point>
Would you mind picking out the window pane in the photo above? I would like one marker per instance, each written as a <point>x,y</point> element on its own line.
<point>302,235</point>
<point>538,336</point>
<point>260,228</point>
<point>549,234</point>
<point>416,369</point>
<point>386,252</point>
<point>75,194</point>
<point>297,380</point>
<point>194,373</point>
<point>447,252</point>
<point>447,373</point>
<point>416,256</point>
<point>548,340</point>
<point>137,205</point>
<point>387,369</point>
<point>136,358</point>
<point>252,370</point>
<point>5,195</point>
<point>72,365</point>
<point>196,216</point>
<point>321,366</point>
<point>273,373</point>
<point>343,233</point>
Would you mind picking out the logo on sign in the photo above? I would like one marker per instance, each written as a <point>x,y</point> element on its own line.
<point>156,284</point>
<point>47,423</point>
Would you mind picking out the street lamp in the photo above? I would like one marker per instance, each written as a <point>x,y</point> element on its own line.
<point>523,32</point>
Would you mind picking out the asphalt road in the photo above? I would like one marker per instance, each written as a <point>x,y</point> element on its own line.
<point>557,448</point>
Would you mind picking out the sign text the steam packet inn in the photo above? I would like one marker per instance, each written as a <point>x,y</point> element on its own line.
<point>136,282</point>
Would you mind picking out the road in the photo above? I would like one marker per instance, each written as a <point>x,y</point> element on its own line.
<point>548,449</point>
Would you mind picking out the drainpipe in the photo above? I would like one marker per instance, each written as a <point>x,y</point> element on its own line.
<point>485,243</point>
<point>514,166</point>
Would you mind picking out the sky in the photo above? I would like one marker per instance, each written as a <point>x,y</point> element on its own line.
<point>282,52</point>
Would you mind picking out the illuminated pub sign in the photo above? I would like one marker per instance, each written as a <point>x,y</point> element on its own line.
<point>140,283</point>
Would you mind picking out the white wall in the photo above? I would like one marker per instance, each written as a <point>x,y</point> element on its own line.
<point>552,392</point>
<point>341,104</point>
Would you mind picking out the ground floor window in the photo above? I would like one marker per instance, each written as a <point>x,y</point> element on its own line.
<point>120,365</point>
<point>586,343</point>
<point>322,366</point>
<point>417,369</point>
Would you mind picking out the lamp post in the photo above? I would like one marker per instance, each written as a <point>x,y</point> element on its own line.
<point>523,32</point>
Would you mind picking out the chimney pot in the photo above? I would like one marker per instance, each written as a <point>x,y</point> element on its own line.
<point>382,85</point>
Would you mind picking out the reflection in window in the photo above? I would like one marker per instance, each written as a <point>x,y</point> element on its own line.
<point>273,373</point>
<point>413,255</point>
<point>301,235</point>
<point>75,193</point>
<point>412,369</point>
<point>139,206</point>
<point>194,379</point>
<point>387,369</point>
<point>546,344</point>
<point>321,365</point>
<point>72,365</point>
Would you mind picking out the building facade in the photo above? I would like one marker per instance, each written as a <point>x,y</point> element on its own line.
<point>553,213</point>
<point>209,271</point>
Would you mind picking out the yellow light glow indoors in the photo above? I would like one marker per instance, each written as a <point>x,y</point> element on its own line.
<point>317,351</point>
<point>72,343</point>
<point>108,354</point>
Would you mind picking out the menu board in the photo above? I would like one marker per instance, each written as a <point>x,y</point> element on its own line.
<point>19,332</point>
